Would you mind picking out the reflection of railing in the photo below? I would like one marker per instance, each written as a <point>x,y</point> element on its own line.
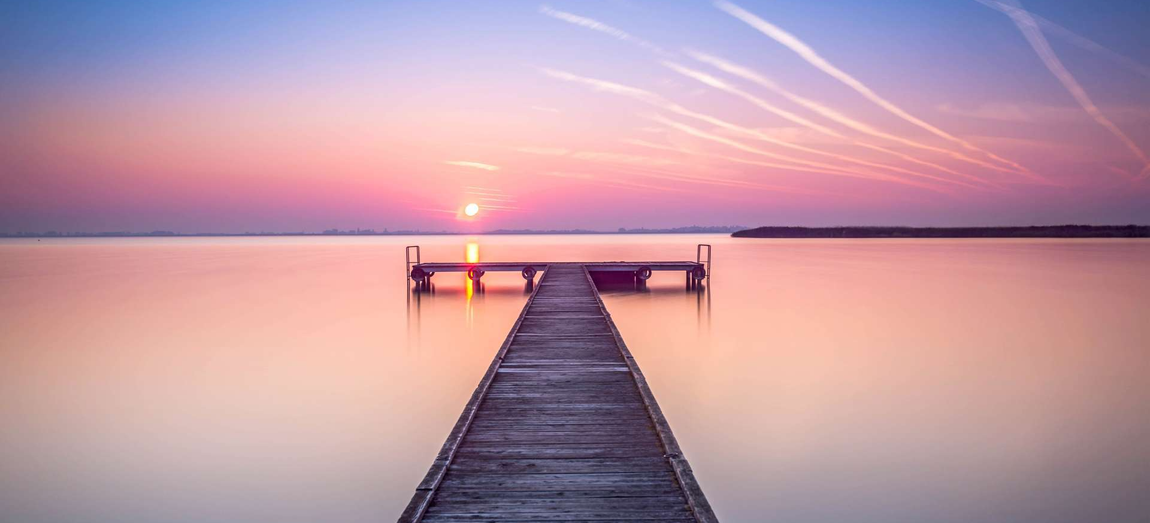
<point>407,260</point>
<point>699,256</point>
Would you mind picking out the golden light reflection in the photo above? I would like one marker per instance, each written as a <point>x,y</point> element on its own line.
<point>471,255</point>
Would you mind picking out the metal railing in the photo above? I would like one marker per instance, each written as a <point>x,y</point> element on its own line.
<point>407,260</point>
<point>699,256</point>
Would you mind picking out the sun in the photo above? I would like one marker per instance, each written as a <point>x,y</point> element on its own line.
<point>471,210</point>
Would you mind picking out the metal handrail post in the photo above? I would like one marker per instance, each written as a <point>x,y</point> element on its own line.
<point>699,256</point>
<point>407,260</point>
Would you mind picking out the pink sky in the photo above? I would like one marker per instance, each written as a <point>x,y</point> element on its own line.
<point>595,115</point>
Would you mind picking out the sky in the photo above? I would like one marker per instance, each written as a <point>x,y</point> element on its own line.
<point>302,116</point>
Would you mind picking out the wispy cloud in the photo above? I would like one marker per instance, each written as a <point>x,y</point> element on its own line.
<point>493,199</point>
<point>483,191</point>
<point>652,170</point>
<point>817,166</point>
<point>544,151</point>
<point>613,182</point>
<point>794,118</point>
<point>723,182</point>
<point>473,165</point>
<point>713,82</point>
<point>596,25</point>
<point>662,103</point>
<point>1037,40</point>
<point>540,108</point>
<point>807,53</point>
<point>652,145</point>
<point>622,158</point>
<point>1072,37</point>
<point>716,83</point>
<point>840,118</point>
<point>701,154</point>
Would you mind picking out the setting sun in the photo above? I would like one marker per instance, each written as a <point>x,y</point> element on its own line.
<point>471,210</point>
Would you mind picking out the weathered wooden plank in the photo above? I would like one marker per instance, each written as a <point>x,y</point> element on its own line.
<point>668,507</point>
<point>700,507</point>
<point>557,466</point>
<point>447,493</point>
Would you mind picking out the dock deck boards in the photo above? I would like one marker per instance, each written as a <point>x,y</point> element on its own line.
<point>562,427</point>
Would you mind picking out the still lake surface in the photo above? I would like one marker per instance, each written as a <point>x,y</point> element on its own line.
<point>295,379</point>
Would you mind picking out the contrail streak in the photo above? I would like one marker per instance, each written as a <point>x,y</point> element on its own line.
<point>805,52</point>
<point>740,184</point>
<point>623,35</point>
<point>651,145</point>
<point>611,183</point>
<point>794,118</point>
<point>709,80</point>
<point>699,179</point>
<point>1037,40</point>
<point>596,25</point>
<point>658,101</point>
<point>644,143</point>
<point>1074,38</point>
<point>840,118</point>
<point>827,169</point>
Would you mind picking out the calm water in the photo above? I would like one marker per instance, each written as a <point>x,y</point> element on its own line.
<point>292,379</point>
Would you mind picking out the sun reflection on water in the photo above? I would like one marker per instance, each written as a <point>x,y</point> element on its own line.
<point>471,255</point>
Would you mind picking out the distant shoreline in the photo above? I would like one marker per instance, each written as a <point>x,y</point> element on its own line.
<point>1048,231</point>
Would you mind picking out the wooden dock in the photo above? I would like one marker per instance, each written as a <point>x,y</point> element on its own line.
<point>562,427</point>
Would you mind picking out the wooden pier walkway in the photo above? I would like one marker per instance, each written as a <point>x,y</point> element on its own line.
<point>562,427</point>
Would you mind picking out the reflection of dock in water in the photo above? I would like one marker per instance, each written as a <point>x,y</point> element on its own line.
<point>563,425</point>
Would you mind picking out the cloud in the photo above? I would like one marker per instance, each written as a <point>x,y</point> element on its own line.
<point>804,165</point>
<point>805,123</point>
<point>473,165</point>
<point>545,151</point>
<point>1037,40</point>
<point>716,83</point>
<point>807,53</point>
<point>652,145</point>
<point>662,103</point>
<point>842,119</point>
<point>723,182</point>
<point>545,109</point>
<point>615,182</point>
<point>622,158</point>
<point>596,25</point>
<point>1072,37</point>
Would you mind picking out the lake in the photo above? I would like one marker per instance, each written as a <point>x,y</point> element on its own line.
<point>295,378</point>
